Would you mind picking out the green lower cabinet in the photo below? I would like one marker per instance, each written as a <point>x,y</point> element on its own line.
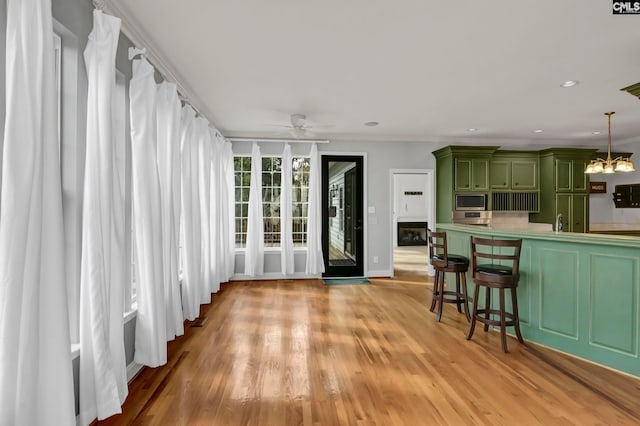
<point>578,293</point>
<point>574,209</point>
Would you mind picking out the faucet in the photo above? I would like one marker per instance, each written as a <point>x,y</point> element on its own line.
<point>559,225</point>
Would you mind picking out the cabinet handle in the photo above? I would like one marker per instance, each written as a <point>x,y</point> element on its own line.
<point>516,183</point>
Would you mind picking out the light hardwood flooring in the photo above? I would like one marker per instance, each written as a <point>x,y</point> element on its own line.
<point>410,261</point>
<point>295,352</point>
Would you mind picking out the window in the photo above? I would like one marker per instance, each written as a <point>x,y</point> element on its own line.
<point>271,189</point>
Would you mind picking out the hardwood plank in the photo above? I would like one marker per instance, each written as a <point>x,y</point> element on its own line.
<point>299,352</point>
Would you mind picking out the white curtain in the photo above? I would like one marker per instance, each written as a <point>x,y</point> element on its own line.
<point>103,379</point>
<point>191,231</point>
<point>286,213</point>
<point>215,214</point>
<point>228,220</point>
<point>36,382</point>
<point>168,137</point>
<point>254,255</point>
<point>204,179</point>
<point>315,262</point>
<point>151,327</point>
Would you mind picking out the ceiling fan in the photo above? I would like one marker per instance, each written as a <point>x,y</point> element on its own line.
<point>300,127</point>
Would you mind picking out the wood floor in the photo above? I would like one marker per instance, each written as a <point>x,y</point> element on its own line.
<point>295,352</point>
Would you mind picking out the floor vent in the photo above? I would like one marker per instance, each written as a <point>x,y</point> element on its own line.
<point>199,322</point>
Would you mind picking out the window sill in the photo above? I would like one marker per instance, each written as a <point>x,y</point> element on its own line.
<point>128,316</point>
<point>273,250</point>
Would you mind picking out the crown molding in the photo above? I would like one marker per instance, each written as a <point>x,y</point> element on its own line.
<point>133,29</point>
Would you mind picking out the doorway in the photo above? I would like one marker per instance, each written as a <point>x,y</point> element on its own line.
<point>412,202</point>
<point>342,215</point>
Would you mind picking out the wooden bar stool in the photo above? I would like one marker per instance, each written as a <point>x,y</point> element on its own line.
<point>496,275</point>
<point>443,262</point>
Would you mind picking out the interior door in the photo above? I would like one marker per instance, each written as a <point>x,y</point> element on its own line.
<point>342,215</point>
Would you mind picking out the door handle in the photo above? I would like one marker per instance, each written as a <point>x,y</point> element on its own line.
<point>358,228</point>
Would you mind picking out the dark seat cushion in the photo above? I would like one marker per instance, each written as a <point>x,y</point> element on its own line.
<point>494,269</point>
<point>452,259</point>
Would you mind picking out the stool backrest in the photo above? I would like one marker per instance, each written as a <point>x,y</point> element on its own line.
<point>514,257</point>
<point>437,248</point>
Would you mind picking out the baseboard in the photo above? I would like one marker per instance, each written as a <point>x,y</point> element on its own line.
<point>274,276</point>
<point>381,273</point>
<point>133,369</point>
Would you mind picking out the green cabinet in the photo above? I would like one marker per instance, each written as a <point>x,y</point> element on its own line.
<point>460,169</point>
<point>471,174</point>
<point>564,188</point>
<point>570,176</point>
<point>514,174</point>
<point>574,209</point>
<point>524,174</point>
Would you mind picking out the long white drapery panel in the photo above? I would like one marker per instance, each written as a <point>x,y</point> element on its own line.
<point>229,220</point>
<point>254,256</point>
<point>103,379</point>
<point>151,328</point>
<point>36,382</point>
<point>215,211</point>
<point>168,137</point>
<point>286,212</point>
<point>315,261</point>
<point>204,179</point>
<point>191,230</point>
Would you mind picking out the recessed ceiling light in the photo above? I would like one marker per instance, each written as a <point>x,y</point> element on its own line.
<point>569,83</point>
<point>596,132</point>
<point>472,130</point>
<point>537,131</point>
<point>371,123</point>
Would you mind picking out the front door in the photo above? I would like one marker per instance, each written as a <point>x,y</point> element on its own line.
<point>342,215</point>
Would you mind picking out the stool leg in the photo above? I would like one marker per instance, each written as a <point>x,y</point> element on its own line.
<point>441,298</point>
<point>465,297</point>
<point>516,315</point>
<point>435,291</point>
<point>458,292</point>
<point>474,311</point>
<point>487,306</point>
<point>503,326</point>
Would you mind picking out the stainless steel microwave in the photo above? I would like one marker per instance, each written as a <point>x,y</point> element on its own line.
<point>471,202</point>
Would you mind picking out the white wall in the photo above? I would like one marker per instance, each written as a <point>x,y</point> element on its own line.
<point>601,208</point>
<point>381,158</point>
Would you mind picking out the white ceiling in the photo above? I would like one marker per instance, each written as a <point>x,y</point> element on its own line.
<point>426,70</point>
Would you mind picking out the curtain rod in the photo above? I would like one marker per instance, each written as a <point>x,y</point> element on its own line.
<point>277,140</point>
<point>156,62</point>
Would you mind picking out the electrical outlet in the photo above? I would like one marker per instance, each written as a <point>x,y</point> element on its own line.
<point>375,259</point>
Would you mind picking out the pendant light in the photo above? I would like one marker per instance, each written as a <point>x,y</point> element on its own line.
<point>609,166</point>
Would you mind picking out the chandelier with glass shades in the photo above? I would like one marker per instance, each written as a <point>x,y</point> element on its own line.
<point>608,166</point>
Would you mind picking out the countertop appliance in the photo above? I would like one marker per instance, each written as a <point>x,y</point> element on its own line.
<point>481,218</point>
<point>627,196</point>
<point>471,202</point>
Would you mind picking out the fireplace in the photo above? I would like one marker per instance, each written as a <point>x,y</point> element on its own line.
<point>412,233</point>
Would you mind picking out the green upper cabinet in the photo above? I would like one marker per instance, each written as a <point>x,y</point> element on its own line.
<point>500,174</point>
<point>471,174</point>
<point>514,171</point>
<point>524,174</point>
<point>570,175</point>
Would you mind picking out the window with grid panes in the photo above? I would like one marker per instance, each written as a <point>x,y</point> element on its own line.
<point>271,189</point>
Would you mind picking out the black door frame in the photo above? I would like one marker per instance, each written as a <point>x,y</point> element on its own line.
<point>356,270</point>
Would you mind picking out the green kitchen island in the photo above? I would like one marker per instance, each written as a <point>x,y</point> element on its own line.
<point>578,293</point>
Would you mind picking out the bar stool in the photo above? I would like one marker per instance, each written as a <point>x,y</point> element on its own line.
<point>495,275</point>
<point>443,262</point>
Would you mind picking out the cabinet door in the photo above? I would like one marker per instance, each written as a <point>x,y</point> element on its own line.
<point>480,174</point>
<point>524,174</point>
<point>579,213</point>
<point>500,174</point>
<point>580,178</point>
<point>462,172</point>
<point>563,207</point>
<point>563,175</point>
